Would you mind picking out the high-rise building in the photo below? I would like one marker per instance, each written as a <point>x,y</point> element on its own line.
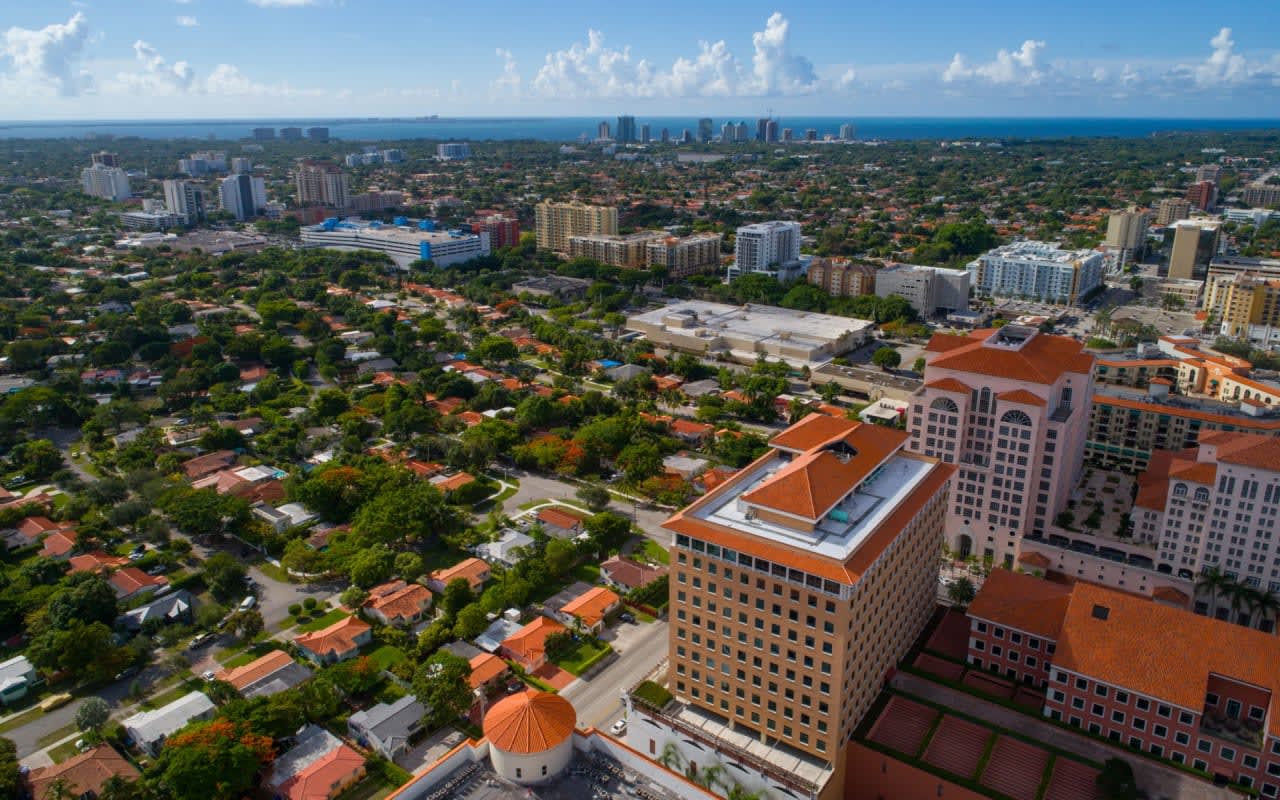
<point>291,134</point>
<point>644,134</point>
<point>626,130</point>
<point>740,132</point>
<point>1248,302</point>
<point>1039,271</point>
<point>666,136</point>
<point>109,183</point>
<point>104,159</point>
<point>811,134</point>
<point>241,164</point>
<point>762,129</point>
<point>788,135</point>
<point>556,223</point>
<point>318,134</point>
<point>242,195</point>
<point>686,136</point>
<point>453,151</point>
<point>846,132</point>
<point>930,290</point>
<point>321,183</point>
<point>185,199</point>
<point>1208,172</point>
<point>1261,195</point>
<point>1172,209</point>
<point>769,247</point>
<point>705,129</point>
<point>841,278</point>
<point>1202,194</point>
<point>503,231</point>
<point>795,586</point>
<point>1127,233</point>
<point>629,251</point>
<point>771,131</point>
<point>1194,244</point>
<point>602,131</point>
<point>1010,407</point>
<point>683,256</point>
<point>264,134</point>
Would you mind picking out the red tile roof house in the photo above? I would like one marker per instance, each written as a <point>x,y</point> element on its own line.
<point>83,775</point>
<point>475,571</point>
<point>625,573</point>
<point>318,767</point>
<point>557,520</point>
<point>130,582</point>
<point>696,433</point>
<point>340,641</point>
<point>59,544</point>
<point>589,609</point>
<point>528,646</point>
<point>398,603</point>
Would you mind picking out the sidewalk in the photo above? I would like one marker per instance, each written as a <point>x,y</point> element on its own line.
<point>1158,781</point>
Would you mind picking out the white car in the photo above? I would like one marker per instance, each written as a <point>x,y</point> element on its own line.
<point>208,675</point>
<point>618,727</point>
<point>248,603</point>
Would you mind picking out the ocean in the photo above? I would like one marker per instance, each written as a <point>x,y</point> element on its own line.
<point>567,129</point>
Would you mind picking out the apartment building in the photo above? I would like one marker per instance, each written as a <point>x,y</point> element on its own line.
<point>1202,194</point>
<point>795,586</point>
<point>242,195</point>
<point>930,290</point>
<point>1009,407</point>
<point>503,231</point>
<point>1261,195</point>
<point>769,247</point>
<point>1215,506</point>
<point>841,278</point>
<point>404,244</point>
<point>109,183</point>
<point>1038,271</point>
<point>1172,209</point>
<point>453,151</point>
<point>630,251</point>
<point>185,199</point>
<point>1182,687</point>
<point>321,183</point>
<point>686,255</point>
<point>1127,233</point>
<point>556,223</point>
<point>1248,302</point>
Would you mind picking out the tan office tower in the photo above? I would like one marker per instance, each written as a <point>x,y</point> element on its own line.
<point>796,586</point>
<point>1194,243</point>
<point>1127,232</point>
<point>1171,210</point>
<point>556,223</point>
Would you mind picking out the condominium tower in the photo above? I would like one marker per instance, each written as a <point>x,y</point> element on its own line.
<point>109,183</point>
<point>1127,233</point>
<point>556,223</point>
<point>242,195</point>
<point>769,247</point>
<point>1010,407</point>
<point>795,586</point>
<point>185,199</point>
<point>1172,209</point>
<point>322,183</point>
<point>1037,271</point>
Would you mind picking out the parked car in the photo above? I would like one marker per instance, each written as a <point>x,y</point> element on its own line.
<point>627,616</point>
<point>207,675</point>
<point>127,672</point>
<point>618,727</point>
<point>202,640</point>
<point>248,603</point>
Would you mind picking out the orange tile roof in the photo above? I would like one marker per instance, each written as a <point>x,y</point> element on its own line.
<point>814,430</point>
<point>58,543</point>
<point>1030,604</point>
<point>1022,397</point>
<point>1261,452</point>
<point>529,722</point>
<point>559,518</point>
<point>811,484</point>
<point>255,670</point>
<point>325,777</point>
<point>131,579</point>
<point>97,560</point>
<point>591,606</point>
<point>1036,560</point>
<point>399,600</point>
<point>529,644</point>
<point>1043,359</point>
<point>691,428</point>
<point>484,668</point>
<point>473,569</point>
<point>1163,652</point>
<point>339,638</point>
<point>83,774</point>
<point>949,385</point>
<point>454,482</point>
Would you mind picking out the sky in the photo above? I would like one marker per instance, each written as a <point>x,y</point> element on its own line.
<point>184,59</point>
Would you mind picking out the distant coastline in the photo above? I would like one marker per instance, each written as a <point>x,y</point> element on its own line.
<point>568,129</point>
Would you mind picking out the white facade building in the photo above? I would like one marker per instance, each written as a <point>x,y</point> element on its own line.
<point>453,151</point>
<point>930,290</point>
<point>403,243</point>
<point>242,195</point>
<point>109,183</point>
<point>1037,270</point>
<point>185,199</point>
<point>769,247</point>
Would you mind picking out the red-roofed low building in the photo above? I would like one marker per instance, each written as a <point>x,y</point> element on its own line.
<point>487,670</point>
<point>83,775</point>
<point>59,544</point>
<point>528,646</point>
<point>339,642</point>
<point>473,570</point>
<point>559,521</point>
<point>318,767</point>
<point>130,582</point>
<point>453,482</point>
<point>96,561</point>
<point>588,610</point>
<point>627,574</point>
<point>695,433</point>
<point>398,603</point>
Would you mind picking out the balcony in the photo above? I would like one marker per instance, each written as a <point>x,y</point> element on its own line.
<point>1243,732</point>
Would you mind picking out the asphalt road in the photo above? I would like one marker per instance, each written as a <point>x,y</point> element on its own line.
<point>598,699</point>
<point>539,487</point>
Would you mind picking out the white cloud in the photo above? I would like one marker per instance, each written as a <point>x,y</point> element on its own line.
<point>281,3</point>
<point>1021,67</point>
<point>1224,67</point>
<point>158,76</point>
<point>187,22</point>
<point>594,69</point>
<point>50,55</point>
<point>510,80</point>
<point>846,79</point>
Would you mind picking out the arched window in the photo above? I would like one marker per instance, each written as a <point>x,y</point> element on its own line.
<point>945,404</point>
<point>1016,417</point>
<point>1202,495</point>
<point>1179,490</point>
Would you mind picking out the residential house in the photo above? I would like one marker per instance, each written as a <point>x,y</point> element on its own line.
<point>626,372</point>
<point>175,607</point>
<point>473,570</point>
<point>695,389</point>
<point>59,544</point>
<point>338,642</point>
<point>588,610</point>
<point>559,522</point>
<point>17,676</point>
<point>528,646</point>
<point>626,574</point>
<point>282,518</point>
<point>266,675</point>
<point>398,603</point>
<point>501,629</point>
<point>450,483</point>
<point>207,464</point>
<point>147,730</point>
<point>387,727</point>
<point>131,582</point>
<point>318,767</point>
<point>97,561</point>
<point>29,531</point>
<point>82,775</point>
<point>508,550</point>
<point>487,670</point>
<point>697,434</point>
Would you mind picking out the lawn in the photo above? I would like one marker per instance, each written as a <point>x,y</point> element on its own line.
<point>63,751</point>
<point>248,655</point>
<point>584,655</point>
<point>386,656</point>
<point>587,573</point>
<point>164,698</point>
<point>374,787</point>
<point>274,572</point>
<point>652,551</point>
<point>323,622</point>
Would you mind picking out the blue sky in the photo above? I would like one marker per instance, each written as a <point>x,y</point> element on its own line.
<point>132,59</point>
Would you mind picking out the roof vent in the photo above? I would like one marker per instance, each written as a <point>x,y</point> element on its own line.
<point>1101,612</point>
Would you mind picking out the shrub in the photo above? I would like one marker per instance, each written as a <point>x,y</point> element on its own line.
<point>310,603</point>
<point>294,609</point>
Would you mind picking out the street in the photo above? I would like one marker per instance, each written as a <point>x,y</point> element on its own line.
<point>598,699</point>
<point>538,487</point>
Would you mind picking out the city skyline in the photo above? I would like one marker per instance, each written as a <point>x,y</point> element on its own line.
<point>188,60</point>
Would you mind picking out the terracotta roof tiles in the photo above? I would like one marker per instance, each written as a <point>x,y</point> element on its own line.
<point>1030,604</point>
<point>1043,359</point>
<point>529,722</point>
<point>256,670</point>
<point>1021,397</point>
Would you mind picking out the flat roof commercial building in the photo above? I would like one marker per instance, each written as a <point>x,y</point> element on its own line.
<point>931,291</point>
<point>404,243</point>
<point>746,332</point>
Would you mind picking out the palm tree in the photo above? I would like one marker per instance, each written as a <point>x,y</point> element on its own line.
<point>1241,595</point>
<point>1267,606</point>
<point>1212,582</point>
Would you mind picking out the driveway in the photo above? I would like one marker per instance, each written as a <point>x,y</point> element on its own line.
<point>540,487</point>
